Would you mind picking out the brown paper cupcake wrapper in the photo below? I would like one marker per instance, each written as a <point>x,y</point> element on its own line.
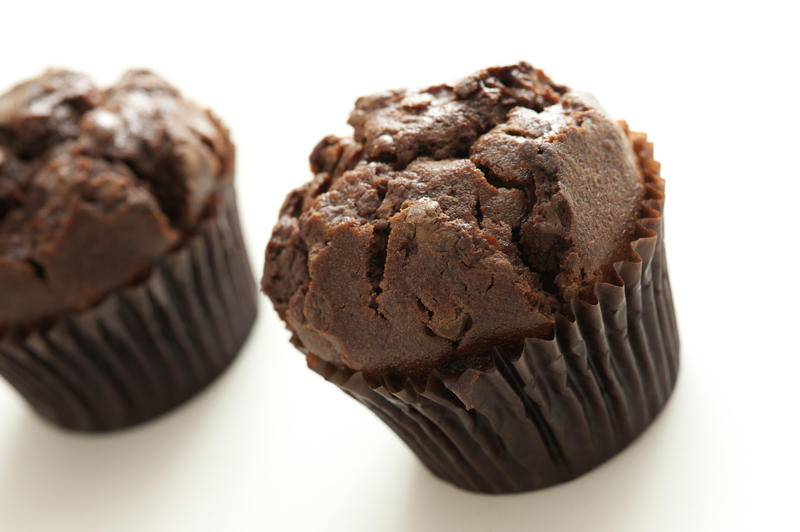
<point>552,409</point>
<point>145,348</point>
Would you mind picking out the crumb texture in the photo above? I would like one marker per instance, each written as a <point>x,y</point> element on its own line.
<point>456,218</point>
<point>97,184</point>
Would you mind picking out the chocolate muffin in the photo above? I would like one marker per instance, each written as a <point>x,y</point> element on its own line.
<point>126,285</point>
<point>482,265</point>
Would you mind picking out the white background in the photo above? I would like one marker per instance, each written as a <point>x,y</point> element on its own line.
<point>271,446</point>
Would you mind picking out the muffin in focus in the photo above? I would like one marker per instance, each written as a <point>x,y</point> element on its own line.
<point>126,286</point>
<point>482,265</point>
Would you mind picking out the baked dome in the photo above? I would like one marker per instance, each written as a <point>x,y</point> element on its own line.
<point>457,218</point>
<point>95,185</point>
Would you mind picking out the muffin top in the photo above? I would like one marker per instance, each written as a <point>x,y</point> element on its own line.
<point>95,185</point>
<point>457,218</point>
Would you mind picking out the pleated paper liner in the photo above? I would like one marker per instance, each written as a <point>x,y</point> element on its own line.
<point>145,348</point>
<point>551,409</point>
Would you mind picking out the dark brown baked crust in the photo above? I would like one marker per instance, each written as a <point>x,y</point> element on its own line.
<point>97,184</point>
<point>457,218</point>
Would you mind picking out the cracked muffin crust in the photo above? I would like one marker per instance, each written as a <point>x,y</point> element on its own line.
<point>95,185</point>
<point>457,218</point>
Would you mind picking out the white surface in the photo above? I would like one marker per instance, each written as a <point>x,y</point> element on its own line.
<point>271,446</point>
